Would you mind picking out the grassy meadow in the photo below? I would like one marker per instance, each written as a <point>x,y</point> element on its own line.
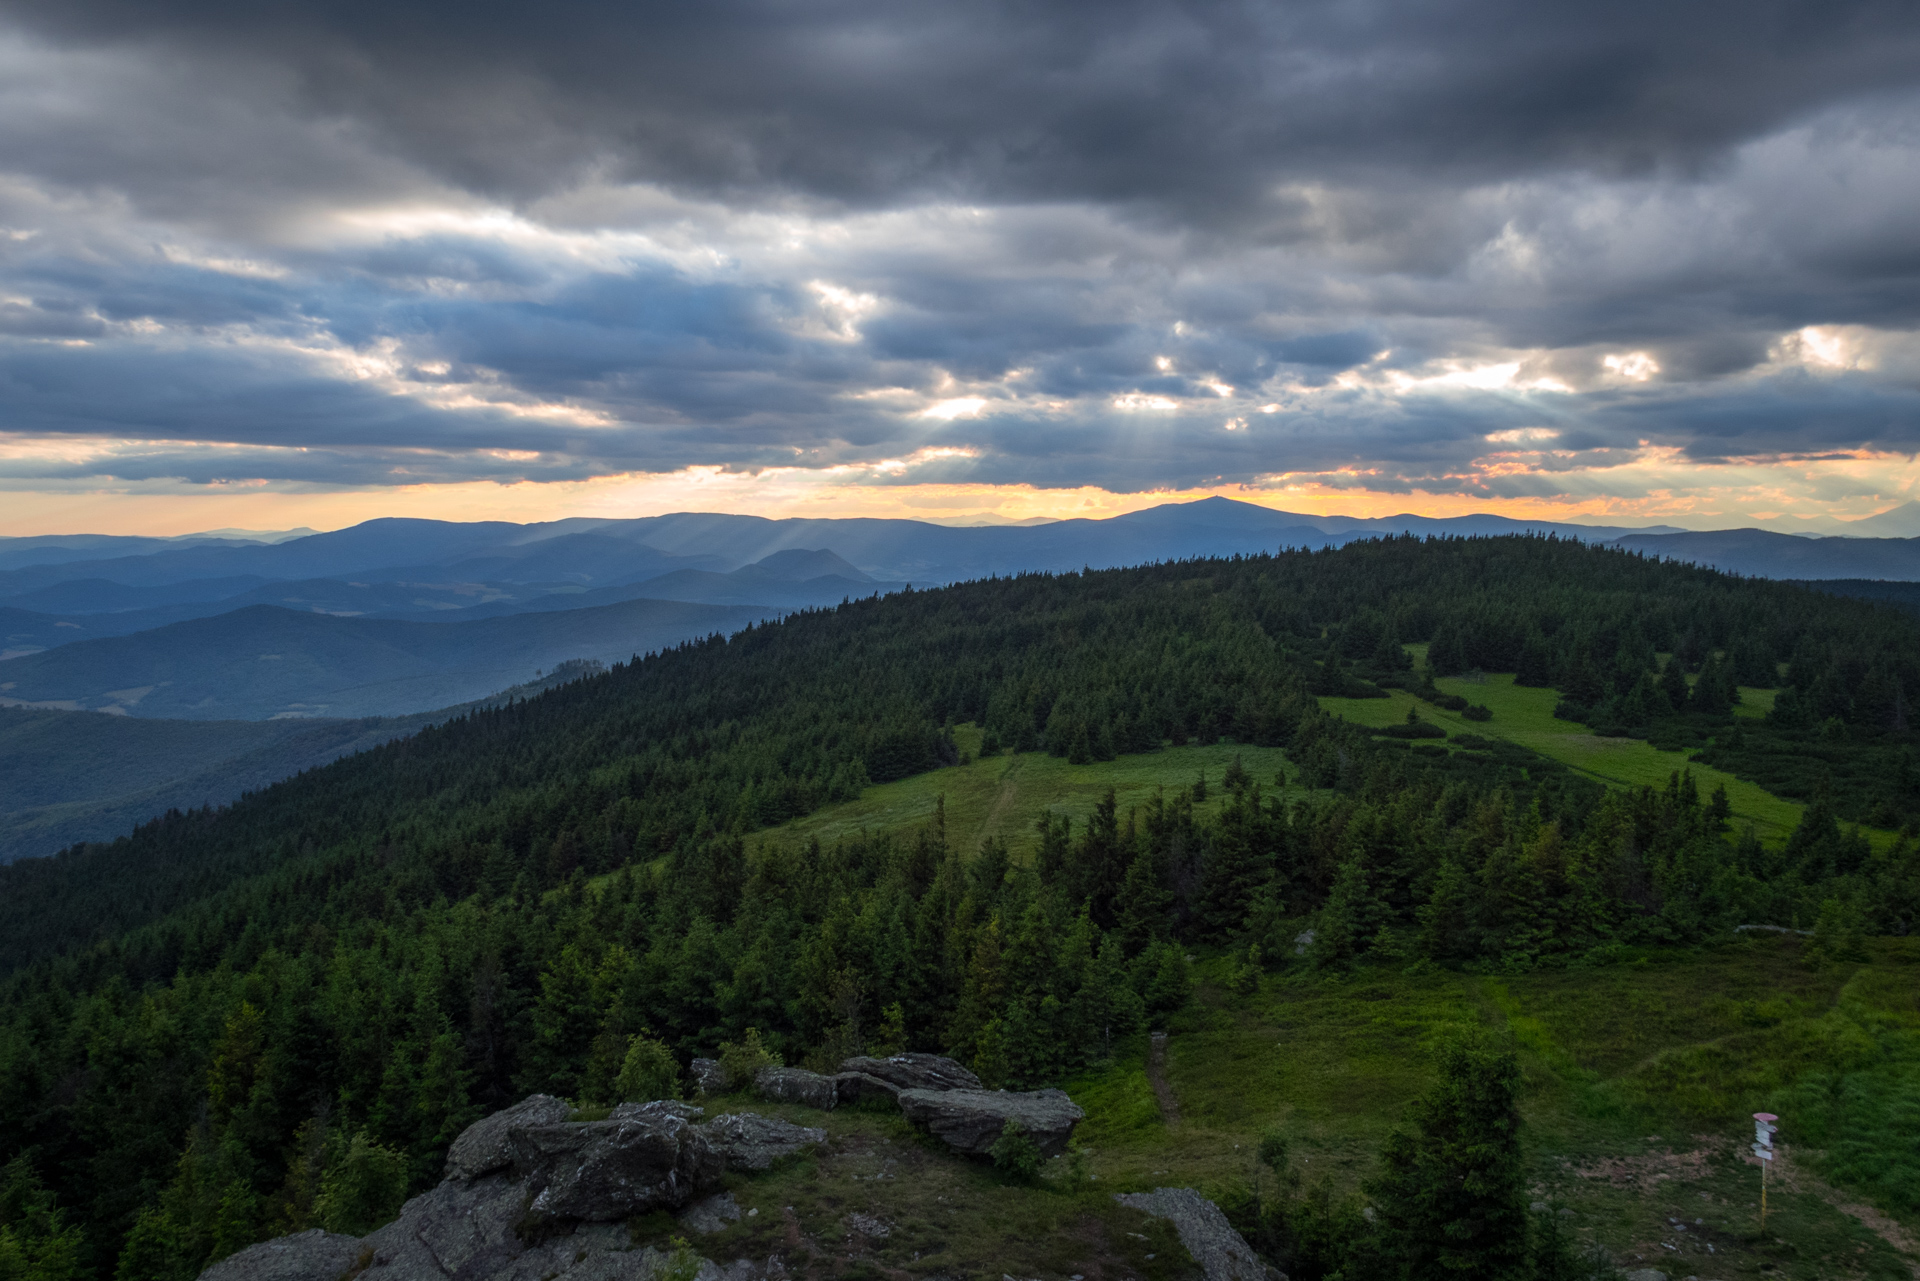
<point>1004,796</point>
<point>1640,1076</point>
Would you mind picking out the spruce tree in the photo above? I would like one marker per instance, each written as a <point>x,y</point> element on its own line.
<point>1452,1197</point>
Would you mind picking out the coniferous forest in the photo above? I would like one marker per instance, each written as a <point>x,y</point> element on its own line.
<point>237,1023</point>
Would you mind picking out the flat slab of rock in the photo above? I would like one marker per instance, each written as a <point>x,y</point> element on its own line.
<point>915,1072</point>
<point>1222,1253</point>
<point>749,1141</point>
<point>712,1214</point>
<point>797,1085</point>
<point>970,1120</point>
<point>482,1147</point>
<point>305,1256</point>
<point>602,1171</point>
<point>858,1087</point>
<point>659,1107</point>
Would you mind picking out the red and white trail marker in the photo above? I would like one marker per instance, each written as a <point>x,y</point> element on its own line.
<point>1763,1131</point>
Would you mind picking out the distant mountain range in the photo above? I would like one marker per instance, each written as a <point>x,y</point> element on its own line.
<point>394,618</point>
<point>55,592</point>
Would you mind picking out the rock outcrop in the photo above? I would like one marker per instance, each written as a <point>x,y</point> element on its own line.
<point>530,1195</point>
<point>749,1141</point>
<point>970,1120</point>
<point>304,1256</point>
<point>797,1085</point>
<point>1222,1253</point>
<point>709,1078</point>
<point>604,1171</point>
<point>914,1072</point>
<point>482,1147</point>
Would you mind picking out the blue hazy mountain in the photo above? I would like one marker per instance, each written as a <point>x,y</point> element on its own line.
<point>261,662</point>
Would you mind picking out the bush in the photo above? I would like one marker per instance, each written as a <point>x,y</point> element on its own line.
<point>1568,710</point>
<point>744,1061</point>
<point>1419,729</point>
<point>1476,712</point>
<point>648,1072</point>
<point>362,1188</point>
<point>1015,1154</point>
<point>1244,978</point>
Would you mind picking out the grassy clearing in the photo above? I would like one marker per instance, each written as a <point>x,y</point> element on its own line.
<point>1639,1079</point>
<point>1524,715</point>
<point>1004,796</point>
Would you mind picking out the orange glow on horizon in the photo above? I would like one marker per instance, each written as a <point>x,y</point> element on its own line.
<point>1785,495</point>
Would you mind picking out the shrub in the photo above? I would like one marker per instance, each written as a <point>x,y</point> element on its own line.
<point>362,1189</point>
<point>1476,712</point>
<point>744,1061</point>
<point>1016,1154</point>
<point>648,1072</point>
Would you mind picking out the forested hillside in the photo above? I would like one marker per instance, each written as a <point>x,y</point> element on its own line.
<point>212,1021</point>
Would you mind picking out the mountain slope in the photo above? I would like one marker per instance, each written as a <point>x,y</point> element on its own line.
<point>68,777</point>
<point>1761,554</point>
<point>261,661</point>
<point>502,903</point>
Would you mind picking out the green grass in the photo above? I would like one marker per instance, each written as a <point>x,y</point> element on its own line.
<point>1524,715</point>
<point>878,1199</point>
<point>1003,796</point>
<point>1639,1077</point>
<point>1639,1082</point>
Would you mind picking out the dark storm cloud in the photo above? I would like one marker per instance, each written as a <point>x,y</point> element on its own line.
<point>1150,102</point>
<point>770,234</point>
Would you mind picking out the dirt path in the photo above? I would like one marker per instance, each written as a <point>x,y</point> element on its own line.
<point>1002,802</point>
<point>1887,1229</point>
<point>1157,1078</point>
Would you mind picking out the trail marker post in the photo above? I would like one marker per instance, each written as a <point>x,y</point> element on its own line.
<point>1763,1131</point>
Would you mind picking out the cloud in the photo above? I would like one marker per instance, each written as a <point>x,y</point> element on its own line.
<point>1478,248</point>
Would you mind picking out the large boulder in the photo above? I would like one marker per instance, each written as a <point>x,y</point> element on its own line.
<point>482,1147</point>
<point>914,1072</point>
<point>708,1077</point>
<point>603,1171</point>
<point>970,1120</point>
<point>305,1256</point>
<point>796,1085</point>
<point>749,1141</point>
<point>1222,1253</point>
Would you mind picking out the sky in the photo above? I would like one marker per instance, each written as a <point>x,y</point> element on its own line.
<point>266,265</point>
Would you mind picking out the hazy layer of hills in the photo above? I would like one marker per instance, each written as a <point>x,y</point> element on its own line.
<point>259,663</point>
<point>69,777</point>
<point>394,618</point>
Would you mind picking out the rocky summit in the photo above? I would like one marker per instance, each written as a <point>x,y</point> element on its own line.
<point>529,1194</point>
